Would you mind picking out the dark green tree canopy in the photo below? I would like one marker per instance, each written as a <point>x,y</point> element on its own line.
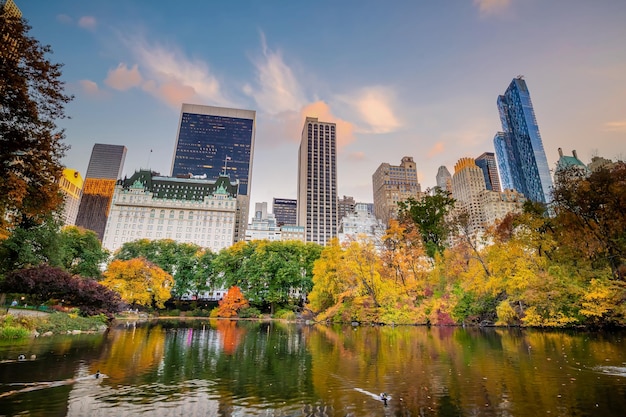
<point>429,215</point>
<point>32,99</point>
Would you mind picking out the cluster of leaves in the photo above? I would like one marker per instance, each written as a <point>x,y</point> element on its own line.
<point>74,249</point>
<point>274,273</point>
<point>31,148</point>
<point>559,267</point>
<point>190,266</point>
<point>43,284</point>
<point>139,282</point>
<point>232,303</point>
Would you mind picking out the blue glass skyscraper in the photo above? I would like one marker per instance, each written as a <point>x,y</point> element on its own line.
<point>212,141</point>
<point>521,158</point>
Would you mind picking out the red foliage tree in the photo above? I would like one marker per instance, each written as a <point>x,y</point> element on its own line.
<point>45,283</point>
<point>232,302</point>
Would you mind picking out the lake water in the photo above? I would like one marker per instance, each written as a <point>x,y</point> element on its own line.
<point>241,368</point>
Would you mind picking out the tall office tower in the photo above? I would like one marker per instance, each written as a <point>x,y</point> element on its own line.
<point>393,184</point>
<point>487,162</point>
<point>468,182</point>
<point>105,167</point>
<point>71,185</point>
<point>286,211</point>
<point>522,145</point>
<point>345,207</point>
<point>215,140</point>
<point>444,179</point>
<point>317,181</point>
<point>504,155</point>
<point>10,11</point>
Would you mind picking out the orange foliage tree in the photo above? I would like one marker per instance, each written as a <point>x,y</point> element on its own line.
<point>232,302</point>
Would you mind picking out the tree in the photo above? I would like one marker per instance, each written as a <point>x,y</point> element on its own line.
<point>232,302</point>
<point>269,272</point>
<point>31,148</point>
<point>45,283</point>
<point>591,213</point>
<point>188,264</point>
<point>31,245</point>
<point>81,252</point>
<point>139,282</point>
<point>429,215</point>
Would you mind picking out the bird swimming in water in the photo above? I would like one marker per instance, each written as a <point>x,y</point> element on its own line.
<point>98,374</point>
<point>384,397</point>
<point>21,357</point>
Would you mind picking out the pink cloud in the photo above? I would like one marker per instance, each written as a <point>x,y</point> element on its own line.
<point>89,87</point>
<point>321,110</point>
<point>122,78</point>
<point>172,91</point>
<point>619,126</point>
<point>375,108</point>
<point>65,19</point>
<point>437,148</point>
<point>87,22</point>
<point>492,7</point>
<point>357,156</point>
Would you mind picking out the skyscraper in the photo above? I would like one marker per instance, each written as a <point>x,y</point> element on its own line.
<point>444,179</point>
<point>487,162</point>
<point>519,143</point>
<point>215,140</point>
<point>286,211</point>
<point>71,185</point>
<point>317,181</point>
<point>393,184</point>
<point>105,167</point>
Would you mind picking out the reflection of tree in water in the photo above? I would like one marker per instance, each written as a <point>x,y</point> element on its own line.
<point>231,335</point>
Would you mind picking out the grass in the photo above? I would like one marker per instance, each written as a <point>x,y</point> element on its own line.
<point>18,327</point>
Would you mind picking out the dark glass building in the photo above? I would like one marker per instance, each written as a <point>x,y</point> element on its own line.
<point>285,211</point>
<point>487,162</point>
<point>521,144</point>
<point>214,140</point>
<point>105,168</point>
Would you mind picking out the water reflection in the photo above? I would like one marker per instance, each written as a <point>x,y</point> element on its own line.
<point>228,368</point>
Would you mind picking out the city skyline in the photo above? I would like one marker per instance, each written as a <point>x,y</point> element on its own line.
<point>396,81</point>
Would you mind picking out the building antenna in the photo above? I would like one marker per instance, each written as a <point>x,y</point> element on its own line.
<point>149,155</point>
<point>226,164</point>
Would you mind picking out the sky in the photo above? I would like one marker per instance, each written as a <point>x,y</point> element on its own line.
<point>399,78</point>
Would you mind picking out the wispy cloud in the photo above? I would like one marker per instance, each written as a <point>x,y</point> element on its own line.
<point>174,78</point>
<point>277,88</point>
<point>91,88</point>
<point>374,106</point>
<point>321,110</point>
<point>87,22</point>
<point>492,7</point>
<point>123,78</point>
<point>65,19</point>
<point>357,156</point>
<point>619,126</point>
<point>436,149</point>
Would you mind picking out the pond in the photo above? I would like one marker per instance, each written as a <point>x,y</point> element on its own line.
<point>243,368</point>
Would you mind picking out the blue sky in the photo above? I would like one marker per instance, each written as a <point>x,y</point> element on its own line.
<point>414,78</point>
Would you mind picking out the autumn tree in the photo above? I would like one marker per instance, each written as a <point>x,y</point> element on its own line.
<point>190,266</point>
<point>591,213</point>
<point>429,215</point>
<point>31,101</point>
<point>232,302</point>
<point>139,282</point>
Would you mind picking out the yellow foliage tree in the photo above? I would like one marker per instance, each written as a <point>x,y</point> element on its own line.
<point>329,285</point>
<point>139,282</point>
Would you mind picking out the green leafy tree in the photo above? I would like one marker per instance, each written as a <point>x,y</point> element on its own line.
<point>269,272</point>
<point>81,252</point>
<point>32,244</point>
<point>31,101</point>
<point>429,215</point>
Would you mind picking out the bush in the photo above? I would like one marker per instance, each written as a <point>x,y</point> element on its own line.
<point>199,313</point>
<point>62,323</point>
<point>285,315</point>
<point>13,332</point>
<point>249,312</point>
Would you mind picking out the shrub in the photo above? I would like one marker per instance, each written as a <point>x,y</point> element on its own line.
<point>249,312</point>
<point>13,332</point>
